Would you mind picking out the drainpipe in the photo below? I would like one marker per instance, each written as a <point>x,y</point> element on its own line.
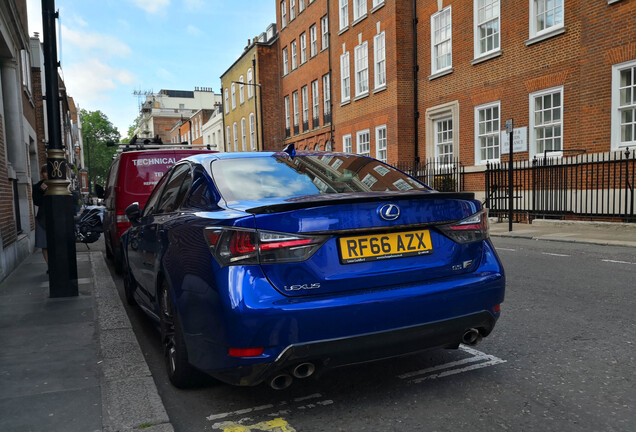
<point>223,116</point>
<point>415,86</point>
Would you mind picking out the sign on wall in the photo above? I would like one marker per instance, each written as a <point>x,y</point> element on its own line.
<point>519,140</point>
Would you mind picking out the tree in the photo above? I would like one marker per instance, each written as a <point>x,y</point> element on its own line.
<point>96,131</point>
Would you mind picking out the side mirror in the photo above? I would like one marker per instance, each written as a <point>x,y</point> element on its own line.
<point>133,213</point>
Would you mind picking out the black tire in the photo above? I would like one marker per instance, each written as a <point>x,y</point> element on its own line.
<point>119,261</point>
<point>109,252</point>
<point>130,285</point>
<point>180,372</point>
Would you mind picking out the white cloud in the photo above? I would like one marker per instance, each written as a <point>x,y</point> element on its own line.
<point>34,12</point>
<point>92,81</point>
<point>152,6</point>
<point>194,31</point>
<point>165,75</point>
<point>194,4</point>
<point>106,44</point>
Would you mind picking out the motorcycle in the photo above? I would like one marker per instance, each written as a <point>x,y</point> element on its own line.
<point>88,225</point>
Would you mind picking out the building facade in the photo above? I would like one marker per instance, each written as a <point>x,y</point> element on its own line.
<point>251,89</point>
<point>212,131</point>
<point>305,73</point>
<point>161,111</point>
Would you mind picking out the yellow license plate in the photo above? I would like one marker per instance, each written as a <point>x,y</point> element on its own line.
<point>385,246</point>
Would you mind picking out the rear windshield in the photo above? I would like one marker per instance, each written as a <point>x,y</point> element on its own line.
<point>281,177</point>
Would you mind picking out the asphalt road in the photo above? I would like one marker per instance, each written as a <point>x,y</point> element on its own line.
<point>561,358</point>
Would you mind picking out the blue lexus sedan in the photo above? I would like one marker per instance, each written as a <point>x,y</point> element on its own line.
<point>265,267</point>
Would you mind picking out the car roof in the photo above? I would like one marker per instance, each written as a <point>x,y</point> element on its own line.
<point>202,158</point>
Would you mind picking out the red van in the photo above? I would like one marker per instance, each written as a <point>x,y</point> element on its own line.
<point>131,178</point>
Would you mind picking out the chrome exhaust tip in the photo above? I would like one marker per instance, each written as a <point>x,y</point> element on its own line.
<point>281,382</point>
<point>304,370</point>
<point>471,337</point>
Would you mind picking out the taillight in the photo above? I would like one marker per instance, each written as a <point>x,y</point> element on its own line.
<point>473,228</point>
<point>231,246</point>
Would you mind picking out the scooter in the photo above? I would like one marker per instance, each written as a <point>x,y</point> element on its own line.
<point>88,225</point>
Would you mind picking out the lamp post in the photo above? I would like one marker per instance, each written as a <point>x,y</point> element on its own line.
<point>58,202</point>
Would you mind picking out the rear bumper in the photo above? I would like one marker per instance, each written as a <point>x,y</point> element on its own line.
<point>362,348</point>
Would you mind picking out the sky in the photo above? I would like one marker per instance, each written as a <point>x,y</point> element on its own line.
<point>112,48</point>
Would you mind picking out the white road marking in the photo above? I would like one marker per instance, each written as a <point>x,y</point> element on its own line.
<point>506,249</point>
<point>554,254</point>
<point>279,405</point>
<point>619,262</point>
<point>479,360</point>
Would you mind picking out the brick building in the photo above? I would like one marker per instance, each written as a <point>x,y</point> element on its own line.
<point>304,73</point>
<point>250,110</point>
<point>563,70</point>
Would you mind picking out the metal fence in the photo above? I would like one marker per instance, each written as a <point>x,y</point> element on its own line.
<point>599,187</point>
<point>445,176</point>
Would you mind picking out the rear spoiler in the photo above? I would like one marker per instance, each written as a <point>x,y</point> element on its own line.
<point>331,199</point>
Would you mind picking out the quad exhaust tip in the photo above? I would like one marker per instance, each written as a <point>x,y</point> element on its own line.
<point>281,381</point>
<point>471,337</point>
<point>304,370</point>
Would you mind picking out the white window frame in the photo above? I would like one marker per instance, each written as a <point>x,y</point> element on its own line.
<point>305,99</point>
<point>285,62</point>
<point>361,62</point>
<point>301,5</point>
<point>313,41</point>
<point>377,3</point>
<point>250,83</point>
<point>235,131</point>
<point>326,93</point>
<point>346,144</point>
<point>283,14</point>
<point>228,140</point>
<point>324,31</point>
<point>345,78</point>
<point>303,47</point>
<point>363,147</point>
<point>227,101</point>
<point>379,61</point>
<point>343,13</point>
<point>491,13</point>
<point>252,132</point>
<point>25,63</point>
<point>295,104</point>
<point>315,100</point>
<point>442,141</point>
<point>294,55</point>
<point>243,135</point>
<point>381,150</point>
<point>441,42</point>
<point>359,9</point>
<point>241,91</point>
<point>618,108</point>
<point>556,28</point>
<point>494,133</point>
<point>532,133</point>
<point>233,93</point>
<point>287,114</point>
<point>292,10</point>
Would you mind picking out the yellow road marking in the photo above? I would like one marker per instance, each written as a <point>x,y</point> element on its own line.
<point>276,425</point>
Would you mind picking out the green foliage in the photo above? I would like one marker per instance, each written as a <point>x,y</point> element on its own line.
<point>131,129</point>
<point>96,131</point>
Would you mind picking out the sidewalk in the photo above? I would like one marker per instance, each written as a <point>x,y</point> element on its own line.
<point>599,233</point>
<point>74,364</point>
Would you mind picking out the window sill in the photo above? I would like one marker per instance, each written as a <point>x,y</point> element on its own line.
<point>342,30</point>
<point>547,35</point>
<point>379,89</point>
<point>440,74</point>
<point>361,96</point>
<point>609,2</point>
<point>486,57</point>
<point>347,102</point>
<point>357,20</point>
<point>378,7</point>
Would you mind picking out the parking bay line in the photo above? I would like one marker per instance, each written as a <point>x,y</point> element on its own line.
<point>618,262</point>
<point>477,361</point>
<point>282,407</point>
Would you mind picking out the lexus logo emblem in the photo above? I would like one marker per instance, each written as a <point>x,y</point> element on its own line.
<point>389,212</point>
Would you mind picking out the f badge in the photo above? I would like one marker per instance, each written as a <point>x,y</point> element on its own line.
<point>389,212</point>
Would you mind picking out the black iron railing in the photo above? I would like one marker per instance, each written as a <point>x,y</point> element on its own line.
<point>445,176</point>
<point>590,186</point>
